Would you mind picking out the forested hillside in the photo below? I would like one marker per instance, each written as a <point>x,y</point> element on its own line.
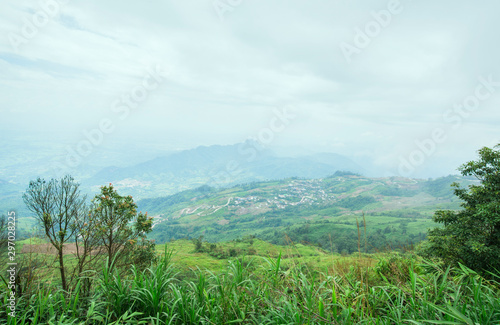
<point>324,212</point>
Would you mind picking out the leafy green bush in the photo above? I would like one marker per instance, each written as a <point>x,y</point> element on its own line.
<point>357,202</point>
<point>471,236</point>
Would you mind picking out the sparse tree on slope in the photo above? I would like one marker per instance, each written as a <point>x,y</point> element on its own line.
<point>121,230</point>
<point>57,204</point>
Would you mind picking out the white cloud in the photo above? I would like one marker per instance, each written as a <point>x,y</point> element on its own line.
<point>226,76</point>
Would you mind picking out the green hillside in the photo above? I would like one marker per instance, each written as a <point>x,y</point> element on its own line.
<point>324,212</point>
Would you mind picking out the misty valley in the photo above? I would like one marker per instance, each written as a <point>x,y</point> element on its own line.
<point>145,257</point>
<point>230,162</point>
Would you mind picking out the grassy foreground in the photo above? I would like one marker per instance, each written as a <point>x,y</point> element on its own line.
<point>297,285</point>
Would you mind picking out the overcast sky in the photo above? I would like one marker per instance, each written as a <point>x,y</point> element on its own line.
<point>361,78</point>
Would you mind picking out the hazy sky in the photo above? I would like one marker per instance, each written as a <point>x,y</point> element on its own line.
<point>413,85</point>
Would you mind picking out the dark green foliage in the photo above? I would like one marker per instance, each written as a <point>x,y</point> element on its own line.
<point>198,244</point>
<point>342,173</point>
<point>471,236</point>
<point>142,252</point>
<point>341,239</point>
<point>356,202</point>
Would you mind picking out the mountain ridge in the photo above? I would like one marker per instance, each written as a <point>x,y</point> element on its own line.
<point>220,166</point>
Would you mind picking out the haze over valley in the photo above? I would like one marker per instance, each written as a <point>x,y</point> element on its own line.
<point>249,162</point>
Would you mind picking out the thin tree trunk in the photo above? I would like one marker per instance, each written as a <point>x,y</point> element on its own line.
<point>61,268</point>
<point>110,249</point>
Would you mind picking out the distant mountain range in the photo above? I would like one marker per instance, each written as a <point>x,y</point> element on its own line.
<point>218,166</point>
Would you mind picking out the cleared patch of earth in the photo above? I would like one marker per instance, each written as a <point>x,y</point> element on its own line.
<point>48,249</point>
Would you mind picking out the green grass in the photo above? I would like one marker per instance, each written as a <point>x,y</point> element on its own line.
<point>185,256</point>
<point>359,289</point>
<point>28,241</point>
